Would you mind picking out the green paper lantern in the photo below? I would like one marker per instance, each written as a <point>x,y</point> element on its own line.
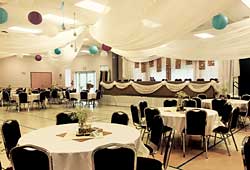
<point>3,16</point>
<point>219,21</point>
<point>93,49</point>
<point>57,51</point>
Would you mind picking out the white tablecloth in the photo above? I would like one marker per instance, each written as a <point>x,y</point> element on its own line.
<point>176,120</point>
<point>68,154</point>
<point>30,98</point>
<point>78,96</point>
<point>242,104</point>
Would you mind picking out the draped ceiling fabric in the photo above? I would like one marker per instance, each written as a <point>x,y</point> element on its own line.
<point>123,29</point>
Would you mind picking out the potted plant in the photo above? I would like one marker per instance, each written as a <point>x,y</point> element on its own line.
<point>82,116</point>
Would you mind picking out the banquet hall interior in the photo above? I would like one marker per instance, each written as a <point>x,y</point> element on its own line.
<point>128,85</point>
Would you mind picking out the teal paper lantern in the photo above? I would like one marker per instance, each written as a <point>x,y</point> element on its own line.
<point>3,16</point>
<point>57,51</point>
<point>93,49</point>
<point>219,21</point>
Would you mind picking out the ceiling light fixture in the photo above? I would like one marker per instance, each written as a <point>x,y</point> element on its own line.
<point>24,30</point>
<point>93,6</point>
<point>246,2</point>
<point>204,35</point>
<point>150,23</point>
<point>59,19</point>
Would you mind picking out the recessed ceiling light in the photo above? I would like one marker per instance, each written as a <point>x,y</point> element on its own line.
<point>246,2</point>
<point>150,24</point>
<point>59,19</point>
<point>204,35</point>
<point>93,6</point>
<point>24,30</point>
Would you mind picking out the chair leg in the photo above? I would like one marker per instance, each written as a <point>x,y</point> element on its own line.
<point>234,140</point>
<point>223,137</point>
<point>215,138</point>
<point>205,145</point>
<point>143,132</point>
<point>183,144</point>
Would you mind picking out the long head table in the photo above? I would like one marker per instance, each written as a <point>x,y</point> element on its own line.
<point>160,89</point>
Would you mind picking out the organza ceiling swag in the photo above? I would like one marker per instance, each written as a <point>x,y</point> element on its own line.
<point>139,30</point>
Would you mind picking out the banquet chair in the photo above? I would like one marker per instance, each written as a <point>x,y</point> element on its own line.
<point>54,97</point>
<point>187,79</point>
<point>144,163</point>
<point>41,101</point>
<point>245,151</point>
<point>227,131</point>
<point>170,103</point>
<point>189,103</point>
<point>198,101</point>
<point>245,97</point>
<point>66,117</point>
<point>114,157</point>
<point>142,106</point>
<point>202,96</point>
<point>10,134</point>
<point>200,79</point>
<point>30,157</point>
<point>136,119</point>
<point>7,100</point>
<point>245,115</point>
<point>98,97</point>
<point>178,80</point>
<point>84,97</point>
<point>23,99</point>
<point>198,128</point>
<point>70,100</point>
<point>120,117</point>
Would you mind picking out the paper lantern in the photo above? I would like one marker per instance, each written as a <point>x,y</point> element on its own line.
<point>35,17</point>
<point>38,57</point>
<point>106,48</point>
<point>3,16</point>
<point>219,21</point>
<point>57,51</point>
<point>93,49</point>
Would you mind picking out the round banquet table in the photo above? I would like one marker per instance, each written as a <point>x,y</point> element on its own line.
<point>242,104</point>
<point>176,120</point>
<point>70,152</point>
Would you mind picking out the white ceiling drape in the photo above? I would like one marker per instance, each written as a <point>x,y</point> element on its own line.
<point>123,27</point>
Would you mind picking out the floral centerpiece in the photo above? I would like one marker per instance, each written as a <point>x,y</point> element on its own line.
<point>180,95</point>
<point>82,116</point>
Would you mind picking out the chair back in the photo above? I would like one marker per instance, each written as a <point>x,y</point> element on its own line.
<point>30,157</point>
<point>47,94</point>
<point>120,118</point>
<point>245,97</point>
<point>23,97</point>
<point>233,118</point>
<point>135,114</point>
<point>67,94</point>
<point>170,103</point>
<point>84,95</point>
<point>54,93</point>
<point>114,157</point>
<point>200,79</point>
<point>196,121</point>
<point>65,118</point>
<point>245,151</point>
<point>168,149</point>
<point>178,80</point>
<point>10,134</point>
<point>189,103</point>
<point>142,106</point>
<point>6,96</point>
<point>98,95</point>
<point>198,101</point>
<point>42,96</point>
<point>226,111</point>
<point>202,96</point>
<point>217,104</point>
<point>150,113</point>
<point>156,130</point>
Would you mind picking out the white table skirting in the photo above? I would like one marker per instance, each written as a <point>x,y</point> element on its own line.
<point>176,120</point>
<point>68,154</point>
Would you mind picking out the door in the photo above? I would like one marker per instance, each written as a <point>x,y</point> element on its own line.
<point>41,79</point>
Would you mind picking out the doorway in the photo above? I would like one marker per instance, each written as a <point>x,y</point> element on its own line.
<point>83,78</point>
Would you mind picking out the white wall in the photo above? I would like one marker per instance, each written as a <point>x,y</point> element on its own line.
<point>16,71</point>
